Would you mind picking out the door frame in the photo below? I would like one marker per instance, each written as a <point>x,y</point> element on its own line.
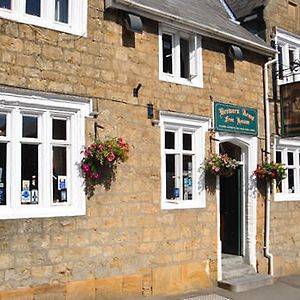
<point>249,146</point>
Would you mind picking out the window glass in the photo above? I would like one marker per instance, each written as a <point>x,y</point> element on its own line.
<point>33,7</point>
<point>5,4</point>
<point>184,58</point>
<point>278,157</point>
<point>59,180</point>
<point>280,62</point>
<point>29,174</point>
<point>2,174</point>
<point>170,177</point>
<point>2,125</point>
<point>167,53</point>
<point>169,140</point>
<point>30,127</point>
<point>61,11</point>
<point>187,141</point>
<point>290,158</point>
<point>59,129</point>
<point>291,181</point>
<point>291,58</point>
<point>187,177</point>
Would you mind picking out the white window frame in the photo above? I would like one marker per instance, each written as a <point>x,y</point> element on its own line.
<point>72,109</point>
<point>77,24</point>
<point>196,68</point>
<point>198,126</point>
<point>288,41</point>
<point>289,145</point>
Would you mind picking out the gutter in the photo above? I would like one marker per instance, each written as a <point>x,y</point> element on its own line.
<point>267,252</point>
<point>204,30</point>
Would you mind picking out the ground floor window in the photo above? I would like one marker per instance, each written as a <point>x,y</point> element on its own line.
<point>40,144</point>
<point>288,153</point>
<point>182,152</point>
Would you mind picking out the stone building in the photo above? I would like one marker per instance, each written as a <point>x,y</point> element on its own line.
<point>278,23</point>
<point>177,82</point>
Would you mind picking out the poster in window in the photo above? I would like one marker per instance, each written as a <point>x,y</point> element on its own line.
<point>290,105</point>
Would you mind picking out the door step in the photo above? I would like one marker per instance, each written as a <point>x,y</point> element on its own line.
<point>246,282</point>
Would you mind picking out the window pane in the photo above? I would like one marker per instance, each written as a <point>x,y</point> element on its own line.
<point>5,4</point>
<point>280,62</point>
<point>187,177</point>
<point>61,11</point>
<point>170,176</point>
<point>169,140</point>
<point>59,174</point>
<point>2,174</point>
<point>2,125</point>
<point>290,158</point>
<point>187,141</point>
<point>29,173</point>
<point>278,157</point>
<point>30,127</point>
<point>291,181</point>
<point>184,58</point>
<point>291,58</point>
<point>167,53</point>
<point>59,129</point>
<point>33,7</point>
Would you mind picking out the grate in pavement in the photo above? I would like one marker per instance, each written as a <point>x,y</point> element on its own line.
<point>207,297</point>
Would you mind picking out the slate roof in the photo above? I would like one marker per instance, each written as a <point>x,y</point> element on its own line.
<point>243,8</point>
<point>207,17</point>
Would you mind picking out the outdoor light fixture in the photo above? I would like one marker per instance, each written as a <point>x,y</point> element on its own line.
<point>235,53</point>
<point>133,23</point>
<point>136,90</point>
<point>150,113</point>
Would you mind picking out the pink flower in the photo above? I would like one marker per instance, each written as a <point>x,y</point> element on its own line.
<point>92,146</point>
<point>96,175</point>
<point>85,168</point>
<point>111,157</point>
<point>100,147</point>
<point>86,153</point>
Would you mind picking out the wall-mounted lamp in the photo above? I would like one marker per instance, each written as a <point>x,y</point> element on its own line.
<point>235,53</point>
<point>136,90</point>
<point>150,113</point>
<point>96,125</point>
<point>133,23</point>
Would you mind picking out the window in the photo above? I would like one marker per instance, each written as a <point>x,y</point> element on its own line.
<point>40,145</point>
<point>62,15</point>
<point>288,153</point>
<point>288,46</point>
<point>180,57</point>
<point>182,140</point>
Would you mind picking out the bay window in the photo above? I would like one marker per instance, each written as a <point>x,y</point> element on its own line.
<point>62,15</point>
<point>182,139</point>
<point>40,144</point>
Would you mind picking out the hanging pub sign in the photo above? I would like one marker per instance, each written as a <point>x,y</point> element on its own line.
<point>233,118</point>
<point>290,109</point>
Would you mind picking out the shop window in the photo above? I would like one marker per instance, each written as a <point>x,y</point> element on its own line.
<point>62,15</point>
<point>180,57</point>
<point>289,155</point>
<point>182,140</point>
<point>41,143</point>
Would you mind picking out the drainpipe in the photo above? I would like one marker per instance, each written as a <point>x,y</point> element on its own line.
<point>268,152</point>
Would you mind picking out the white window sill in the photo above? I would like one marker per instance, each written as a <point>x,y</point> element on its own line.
<point>182,204</point>
<point>195,82</point>
<point>280,197</point>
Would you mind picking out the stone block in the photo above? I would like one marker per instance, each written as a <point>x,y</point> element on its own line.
<point>84,290</point>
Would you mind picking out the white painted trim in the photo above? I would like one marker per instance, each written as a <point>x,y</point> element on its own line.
<point>45,107</point>
<point>249,155</point>
<point>77,16</point>
<point>199,126</point>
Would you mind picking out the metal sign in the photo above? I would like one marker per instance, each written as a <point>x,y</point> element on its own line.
<point>233,118</point>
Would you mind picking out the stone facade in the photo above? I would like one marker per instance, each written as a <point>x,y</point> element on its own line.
<point>285,228</point>
<point>125,245</point>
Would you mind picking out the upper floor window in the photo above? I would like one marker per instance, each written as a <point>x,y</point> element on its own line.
<point>180,57</point>
<point>288,46</point>
<point>40,146</point>
<point>288,153</point>
<point>62,15</point>
<point>182,152</point>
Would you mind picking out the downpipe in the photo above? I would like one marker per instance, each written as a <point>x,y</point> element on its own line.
<point>267,252</point>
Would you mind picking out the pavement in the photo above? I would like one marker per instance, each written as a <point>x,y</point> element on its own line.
<point>284,288</point>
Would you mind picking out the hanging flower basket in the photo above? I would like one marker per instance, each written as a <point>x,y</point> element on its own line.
<point>220,164</point>
<point>269,171</point>
<point>100,160</point>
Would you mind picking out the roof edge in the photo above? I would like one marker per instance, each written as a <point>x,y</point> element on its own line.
<point>160,16</point>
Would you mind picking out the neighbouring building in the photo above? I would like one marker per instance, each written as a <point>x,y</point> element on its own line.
<point>178,82</point>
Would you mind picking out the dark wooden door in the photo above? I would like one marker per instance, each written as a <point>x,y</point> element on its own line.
<point>230,210</point>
